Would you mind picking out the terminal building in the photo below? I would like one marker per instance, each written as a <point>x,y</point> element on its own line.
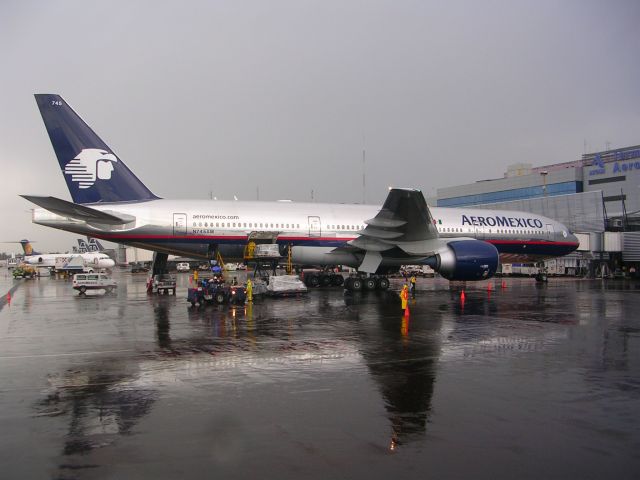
<point>597,197</point>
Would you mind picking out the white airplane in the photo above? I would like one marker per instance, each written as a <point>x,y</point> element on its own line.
<point>91,260</point>
<point>111,203</point>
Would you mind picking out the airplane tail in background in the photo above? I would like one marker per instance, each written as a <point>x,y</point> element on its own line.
<point>90,245</point>
<point>92,171</point>
<point>27,248</point>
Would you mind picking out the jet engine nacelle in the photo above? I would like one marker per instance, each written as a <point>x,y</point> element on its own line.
<point>321,256</point>
<point>467,260</point>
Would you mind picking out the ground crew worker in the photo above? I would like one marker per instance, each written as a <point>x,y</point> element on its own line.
<point>195,276</point>
<point>404,296</point>
<point>413,285</point>
<point>249,290</point>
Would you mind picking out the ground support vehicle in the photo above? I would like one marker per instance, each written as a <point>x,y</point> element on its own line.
<point>24,271</point>
<point>162,283</point>
<point>93,281</point>
<point>213,292</point>
<point>139,268</point>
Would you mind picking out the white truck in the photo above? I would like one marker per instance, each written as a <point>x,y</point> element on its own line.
<point>93,281</point>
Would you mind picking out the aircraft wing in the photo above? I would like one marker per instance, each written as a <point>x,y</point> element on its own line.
<point>78,212</point>
<point>404,222</point>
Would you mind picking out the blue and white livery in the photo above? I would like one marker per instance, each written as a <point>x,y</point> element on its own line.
<point>109,202</point>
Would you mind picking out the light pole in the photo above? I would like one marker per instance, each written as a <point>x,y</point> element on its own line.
<point>544,174</point>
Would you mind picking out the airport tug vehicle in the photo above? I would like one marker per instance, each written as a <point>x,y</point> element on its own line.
<point>214,290</point>
<point>161,283</point>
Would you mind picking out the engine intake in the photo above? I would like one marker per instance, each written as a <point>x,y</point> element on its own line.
<point>467,260</point>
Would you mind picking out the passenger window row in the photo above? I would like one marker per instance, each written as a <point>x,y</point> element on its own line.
<point>246,225</point>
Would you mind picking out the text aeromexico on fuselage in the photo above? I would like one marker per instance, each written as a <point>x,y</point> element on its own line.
<point>111,203</point>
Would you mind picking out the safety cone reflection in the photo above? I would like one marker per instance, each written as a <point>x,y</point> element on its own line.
<point>462,296</point>
<point>504,284</point>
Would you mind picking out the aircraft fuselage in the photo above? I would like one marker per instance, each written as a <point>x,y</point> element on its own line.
<point>192,227</point>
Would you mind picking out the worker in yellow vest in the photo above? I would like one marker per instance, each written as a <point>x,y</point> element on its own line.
<point>404,297</point>
<point>249,290</point>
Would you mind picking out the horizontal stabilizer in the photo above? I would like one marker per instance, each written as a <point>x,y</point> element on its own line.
<point>78,212</point>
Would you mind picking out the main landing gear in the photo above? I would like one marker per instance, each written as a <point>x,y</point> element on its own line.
<point>323,279</point>
<point>355,283</point>
<point>360,283</point>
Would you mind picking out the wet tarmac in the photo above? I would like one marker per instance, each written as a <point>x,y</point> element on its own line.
<point>522,382</point>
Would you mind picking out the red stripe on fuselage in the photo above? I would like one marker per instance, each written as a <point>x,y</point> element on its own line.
<point>141,236</point>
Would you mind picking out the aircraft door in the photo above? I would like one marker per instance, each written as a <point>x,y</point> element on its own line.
<point>179,223</point>
<point>314,227</point>
<point>479,232</point>
<point>550,231</point>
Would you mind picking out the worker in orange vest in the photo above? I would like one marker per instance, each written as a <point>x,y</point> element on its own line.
<point>404,296</point>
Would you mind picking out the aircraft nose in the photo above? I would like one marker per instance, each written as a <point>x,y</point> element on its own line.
<point>574,239</point>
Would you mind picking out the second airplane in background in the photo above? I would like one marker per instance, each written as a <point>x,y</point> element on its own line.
<point>94,260</point>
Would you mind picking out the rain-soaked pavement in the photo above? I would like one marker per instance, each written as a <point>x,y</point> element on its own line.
<point>523,382</point>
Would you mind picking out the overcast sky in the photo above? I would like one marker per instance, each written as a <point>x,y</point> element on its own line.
<point>204,96</point>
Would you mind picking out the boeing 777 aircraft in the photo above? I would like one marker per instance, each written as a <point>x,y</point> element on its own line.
<point>111,203</point>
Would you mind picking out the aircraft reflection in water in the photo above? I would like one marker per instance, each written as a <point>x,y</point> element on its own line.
<point>402,357</point>
<point>100,406</point>
<point>105,399</point>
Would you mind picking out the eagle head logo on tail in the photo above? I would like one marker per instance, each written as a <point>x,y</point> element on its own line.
<point>89,165</point>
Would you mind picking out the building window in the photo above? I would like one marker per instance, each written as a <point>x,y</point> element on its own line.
<point>615,198</point>
<point>598,181</point>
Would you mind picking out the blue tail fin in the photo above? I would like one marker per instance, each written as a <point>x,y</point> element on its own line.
<point>27,248</point>
<point>92,171</point>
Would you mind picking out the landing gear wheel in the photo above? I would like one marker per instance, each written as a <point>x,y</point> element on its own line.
<point>325,280</point>
<point>337,280</point>
<point>369,283</point>
<point>220,298</point>
<point>383,283</point>
<point>356,284</point>
<point>312,281</point>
